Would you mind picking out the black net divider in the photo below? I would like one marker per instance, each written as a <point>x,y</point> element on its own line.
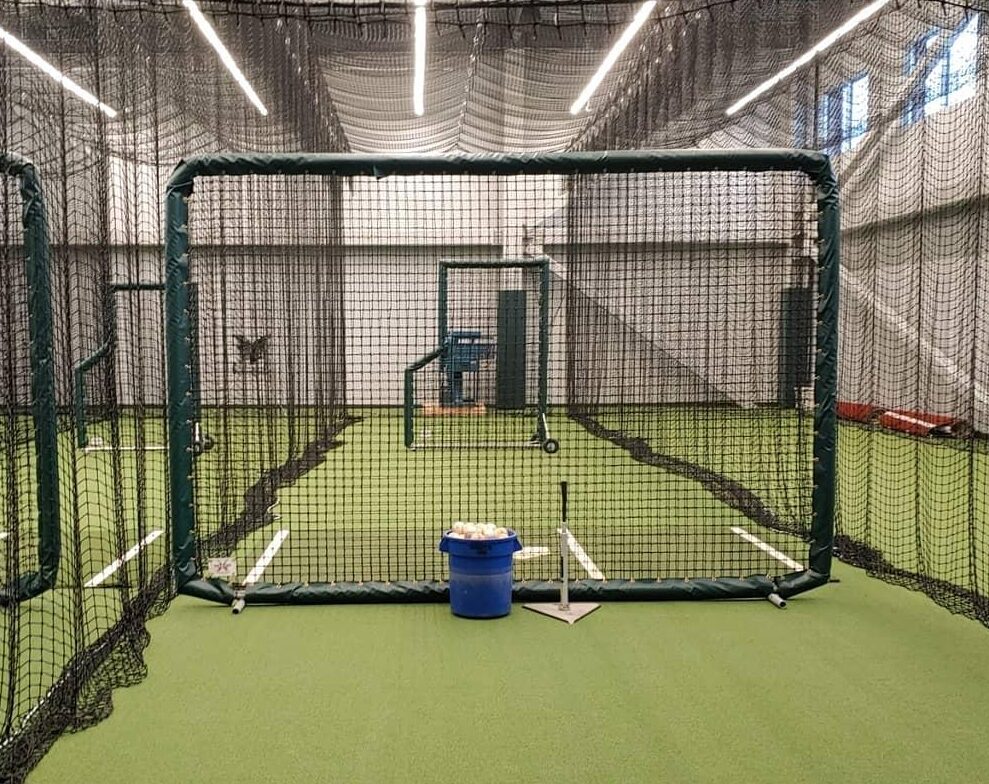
<point>104,353</point>
<point>473,372</point>
<point>27,584</point>
<point>389,573</point>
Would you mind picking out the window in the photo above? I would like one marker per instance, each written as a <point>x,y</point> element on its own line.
<point>951,75</point>
<point>855,112</point>
<point>841,118</point>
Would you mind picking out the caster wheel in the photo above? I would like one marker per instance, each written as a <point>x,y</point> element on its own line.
<point>203,444</point>
<point>551,446</point>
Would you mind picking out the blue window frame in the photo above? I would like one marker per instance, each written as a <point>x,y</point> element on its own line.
<point>951,77</point>
<point>841,117</point>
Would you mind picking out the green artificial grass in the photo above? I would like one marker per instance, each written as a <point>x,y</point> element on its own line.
<point>42,636</point>
<point>860,681</point>
<point>372,510</point>
<point>922,503</point>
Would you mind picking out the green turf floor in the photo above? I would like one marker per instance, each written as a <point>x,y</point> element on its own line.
<point>374,510</point>
<point>371,509</point>
<point>910,497</point>
<point>857,682</point>
<point>110,501</point>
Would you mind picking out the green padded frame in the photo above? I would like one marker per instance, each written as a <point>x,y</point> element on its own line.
<point>181,403</point>
<point>84,366</point>
<point>541,265</point>
<point>37,265</point>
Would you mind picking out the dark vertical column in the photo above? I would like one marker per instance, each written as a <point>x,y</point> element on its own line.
<point>543,349</point>
<point>510,374</point>
<point>37,261</point>
<point>796,345</point>
<point>181,391</point>
<point>826,379</point>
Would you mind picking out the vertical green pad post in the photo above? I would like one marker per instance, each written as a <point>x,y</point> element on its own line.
<point>181,397</point>
<point>37,261</point>
<point>442,317</point>
<point>409,402</point>
<point>826,383</point>
<point>194,367</point>
<point>541,433</point>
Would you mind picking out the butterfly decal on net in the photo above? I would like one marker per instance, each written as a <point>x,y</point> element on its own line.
<point>251,353</point>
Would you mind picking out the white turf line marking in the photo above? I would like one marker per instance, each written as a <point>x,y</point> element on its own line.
<point>755,540</point>
<point>582,557</point>
<point>151,448</point>
<point>912,420</point>
<point>530,552</point>
<point>266,557</point>
<point>97,579</point>
<point>4,535</point>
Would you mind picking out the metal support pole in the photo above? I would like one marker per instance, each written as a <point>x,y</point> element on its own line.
<point>563,610</point>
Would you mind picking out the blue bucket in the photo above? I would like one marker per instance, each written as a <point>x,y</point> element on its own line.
<point>481,575</point>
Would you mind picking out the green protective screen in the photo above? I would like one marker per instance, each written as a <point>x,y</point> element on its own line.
<point>355,402</point>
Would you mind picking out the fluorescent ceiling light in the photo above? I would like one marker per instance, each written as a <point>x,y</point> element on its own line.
<point>616,51</point>
<point>825,43</point>
<point>42,64</point>
<point>419,80</point>
<point>225,57</point>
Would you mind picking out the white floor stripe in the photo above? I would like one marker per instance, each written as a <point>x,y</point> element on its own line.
<point>912,420</point>
<point>151,448</point>
<point>582,557</point>
<point>266,558</point>
<point>97,579</point>
<point>531,552</point>
<point>755,540</point>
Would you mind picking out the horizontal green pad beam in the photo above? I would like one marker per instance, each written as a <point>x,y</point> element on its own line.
<point>816,165</point>
<point>754,587</point>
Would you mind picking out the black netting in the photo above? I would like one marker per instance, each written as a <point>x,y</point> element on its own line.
<point>680,313</point>
<point>691,341</point>
<point>103,178</point>
<point>457,345</point>
<point>900,104</point>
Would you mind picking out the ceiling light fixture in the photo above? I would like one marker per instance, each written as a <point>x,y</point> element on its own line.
<point>825,43</point>
<point>616,51</point>
<point>225,57</point>
<point>56,75</point>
